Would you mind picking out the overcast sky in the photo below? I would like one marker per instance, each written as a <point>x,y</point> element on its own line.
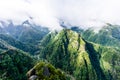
<point>84,13</point>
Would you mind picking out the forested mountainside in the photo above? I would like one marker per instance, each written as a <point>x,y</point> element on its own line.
<point>59,39</point>
<point>109,35</point>
<point>68,51</point>
<point>65,55</point>
<point>14,64</point>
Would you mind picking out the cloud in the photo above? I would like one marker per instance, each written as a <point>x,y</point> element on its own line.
<point>84,13</point>
<point>21,10</point>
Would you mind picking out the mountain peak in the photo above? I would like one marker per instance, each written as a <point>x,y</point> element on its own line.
<point>69,33</point>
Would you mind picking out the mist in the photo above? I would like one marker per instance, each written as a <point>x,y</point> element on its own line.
<point>83,13</point>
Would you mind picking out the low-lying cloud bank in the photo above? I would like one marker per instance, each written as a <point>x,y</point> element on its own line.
<point>85,13</point>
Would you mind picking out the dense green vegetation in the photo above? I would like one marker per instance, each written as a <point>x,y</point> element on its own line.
<point>82,59</point>
<point>14,65</point>
<point>71,52</point>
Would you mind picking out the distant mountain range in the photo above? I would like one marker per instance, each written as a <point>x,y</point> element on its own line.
<point>69,54</point>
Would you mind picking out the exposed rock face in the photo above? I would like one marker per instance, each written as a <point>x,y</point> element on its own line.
<point>33,77</point>
<point>46,71</point>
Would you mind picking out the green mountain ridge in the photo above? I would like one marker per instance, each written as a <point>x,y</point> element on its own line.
<point>71,55</point>
<point>84,60</point>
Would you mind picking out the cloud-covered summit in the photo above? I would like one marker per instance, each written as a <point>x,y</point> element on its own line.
<point>84,13</point>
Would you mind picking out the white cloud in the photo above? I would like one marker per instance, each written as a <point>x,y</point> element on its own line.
<point>48,12</point>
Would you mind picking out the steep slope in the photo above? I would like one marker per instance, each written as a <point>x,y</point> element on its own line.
<point>46,40</point>
<point>108,36</point>
<point>14,64</point>
<point>86,61</point>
